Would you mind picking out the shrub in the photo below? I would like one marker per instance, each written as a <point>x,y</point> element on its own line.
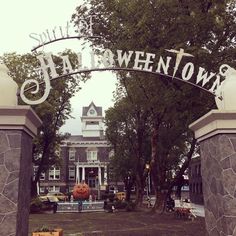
<point>35,205</point>
<point>109,196</point>
<point>120,204</point>
<point>130,206</point>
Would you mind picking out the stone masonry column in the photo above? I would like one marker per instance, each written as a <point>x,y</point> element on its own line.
<point>18,126</point>
<point>216,133</point>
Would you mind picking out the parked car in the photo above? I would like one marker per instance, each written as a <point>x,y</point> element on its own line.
<point>42,203</point>
<point>48,198</point>
<point>58,195</point>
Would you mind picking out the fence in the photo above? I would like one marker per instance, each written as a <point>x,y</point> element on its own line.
<point>79,206</point>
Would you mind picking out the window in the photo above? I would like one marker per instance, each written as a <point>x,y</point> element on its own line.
<point>91,154</point>
<point>71,189</point>
<point>71,172</point>
<point>92,182</point>
<point>53,189</point>
<point>41,190</point>
<point>54,173</point>
<point>42,176</point>
<point>111,154</point>
<point>72,152</point>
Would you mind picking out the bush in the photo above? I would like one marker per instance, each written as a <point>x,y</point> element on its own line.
<point>130,206</point>
<point>36,205</point>
<point>109,196</point>
<point>120,204</point>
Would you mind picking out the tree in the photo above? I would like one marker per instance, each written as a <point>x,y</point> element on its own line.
<point>53,112</point>
<point>127,132</point>
<point>204,28</point>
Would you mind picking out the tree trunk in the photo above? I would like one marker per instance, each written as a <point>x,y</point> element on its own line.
<point>34,189</point>
<point>178,191</point>
<point>177,180</point>
<point>128,185</point>
<point>154,167</point>
<point>39,170</point>
<point>139,191</point>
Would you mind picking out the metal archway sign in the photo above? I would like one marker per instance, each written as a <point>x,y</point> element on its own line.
<point>120,60</point>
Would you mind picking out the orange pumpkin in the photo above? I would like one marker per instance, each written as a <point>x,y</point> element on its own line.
<point>81,191</point>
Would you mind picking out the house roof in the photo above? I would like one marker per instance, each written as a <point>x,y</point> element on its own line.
<point>98,109</point>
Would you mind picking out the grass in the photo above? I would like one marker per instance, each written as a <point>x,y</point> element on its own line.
<point>119,223</point>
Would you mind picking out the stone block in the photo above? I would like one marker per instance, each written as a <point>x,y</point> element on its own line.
<point>12,159</point>
<point>6,205</point>
<point>226,147</point>
<point>8,225</point>
<point>14,140</point>
<point>229,182</point>
<point>11,190</point>
<point>4,173</point>
<point>4,145</point>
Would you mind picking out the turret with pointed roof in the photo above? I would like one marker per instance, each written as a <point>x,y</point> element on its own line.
<point>92,121</point>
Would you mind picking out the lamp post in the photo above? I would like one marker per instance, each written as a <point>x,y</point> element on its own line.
<point>147,166</point>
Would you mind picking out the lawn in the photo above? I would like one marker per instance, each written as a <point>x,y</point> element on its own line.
<point>119,223</point>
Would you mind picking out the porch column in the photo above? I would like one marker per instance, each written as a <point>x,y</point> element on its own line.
<point>99,176</point>
<point>83,173</point>
<point>105,175</point>
<point>77,173</point>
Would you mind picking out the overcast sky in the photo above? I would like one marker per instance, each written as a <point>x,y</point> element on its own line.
<point>18,19</point>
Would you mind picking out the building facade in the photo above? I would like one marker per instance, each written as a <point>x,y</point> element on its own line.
<point>84,157</point>
<point>195,181</point>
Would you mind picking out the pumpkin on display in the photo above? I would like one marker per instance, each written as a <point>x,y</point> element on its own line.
<point>81,191</point>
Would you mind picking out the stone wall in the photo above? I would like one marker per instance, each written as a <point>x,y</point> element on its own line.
<point>218,167</point>
<point>15,175</point>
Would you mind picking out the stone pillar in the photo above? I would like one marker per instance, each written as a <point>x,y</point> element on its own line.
<point>18,126</point>
<point>216,133</point>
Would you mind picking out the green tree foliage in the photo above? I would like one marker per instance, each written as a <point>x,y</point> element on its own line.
<point>127,131</point>
<point>203,28</point>
<point>53,112</point>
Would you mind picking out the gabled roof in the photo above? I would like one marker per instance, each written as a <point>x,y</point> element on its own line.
<point>98,109</point>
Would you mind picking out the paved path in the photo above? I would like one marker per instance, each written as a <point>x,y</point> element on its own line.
<point>198,210</point>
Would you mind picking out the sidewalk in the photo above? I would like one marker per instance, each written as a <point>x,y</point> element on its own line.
<point>198,210</point>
